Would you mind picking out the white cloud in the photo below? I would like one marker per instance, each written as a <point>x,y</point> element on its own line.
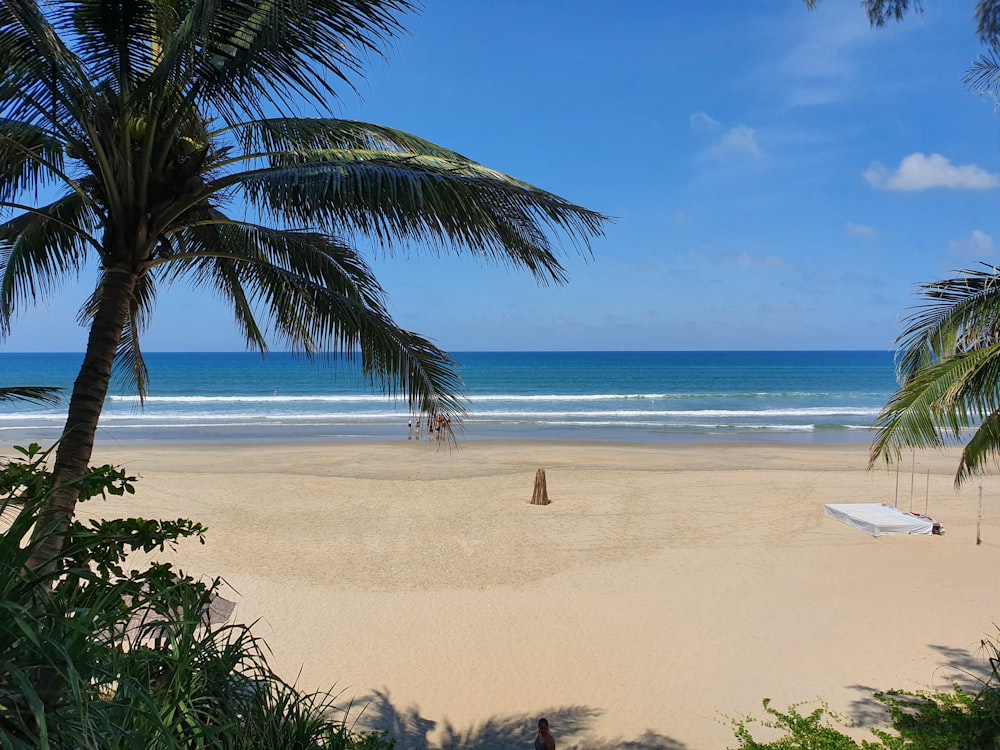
<point>745,260</point>
<point>861,231</point>
<point>977,244</point>
<point>921,172</point>
<point>702,123</point>
<point>739,142</point>
<point>826,50</point>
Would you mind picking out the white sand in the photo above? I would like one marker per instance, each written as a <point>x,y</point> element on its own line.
<point>665,588</point>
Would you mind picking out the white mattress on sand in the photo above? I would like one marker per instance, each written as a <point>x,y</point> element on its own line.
<point>879,519</point>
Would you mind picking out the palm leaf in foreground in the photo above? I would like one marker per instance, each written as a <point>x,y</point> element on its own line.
<point>949,369</point>
<point>36,394</point>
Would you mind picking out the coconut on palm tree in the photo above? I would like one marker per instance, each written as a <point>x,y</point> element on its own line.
<point>159,126</point>
<point>949,373</point>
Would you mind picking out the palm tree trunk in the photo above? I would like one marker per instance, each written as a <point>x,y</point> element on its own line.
<point>85,405</point>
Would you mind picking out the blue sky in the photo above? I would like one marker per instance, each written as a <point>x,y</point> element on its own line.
<point>779,178</point>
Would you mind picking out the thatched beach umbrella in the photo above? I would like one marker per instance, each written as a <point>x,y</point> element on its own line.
<point>541,494</point>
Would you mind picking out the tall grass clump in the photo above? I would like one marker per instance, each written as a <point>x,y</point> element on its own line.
<point>96,656</point>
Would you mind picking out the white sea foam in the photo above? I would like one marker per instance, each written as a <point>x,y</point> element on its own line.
<point>641,396</point>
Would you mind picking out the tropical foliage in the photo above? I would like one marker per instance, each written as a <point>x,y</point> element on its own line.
<point>186,141</point>
<point>949,370</point>
<point>99,657</point>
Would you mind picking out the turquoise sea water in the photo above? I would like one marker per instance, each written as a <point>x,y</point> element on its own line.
<point>822,397</point>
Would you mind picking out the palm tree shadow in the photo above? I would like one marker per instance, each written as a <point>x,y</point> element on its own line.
<point>970,670</point>
<point>867,711</point>
<point>967,669</point>
<point>406,726</point>
<point>571,724</point>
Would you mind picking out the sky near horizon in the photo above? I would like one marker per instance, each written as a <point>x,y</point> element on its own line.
<point>779,178</point>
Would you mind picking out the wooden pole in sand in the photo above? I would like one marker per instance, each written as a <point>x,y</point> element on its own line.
<point>541,494</point>
<point>979,516</point>
<point>913,472</point>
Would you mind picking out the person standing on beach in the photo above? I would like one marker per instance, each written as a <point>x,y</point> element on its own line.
<point>544,740</point>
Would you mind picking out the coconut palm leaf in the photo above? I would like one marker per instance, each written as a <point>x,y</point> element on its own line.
<point>28,156</point>
<point>982,448</point>
<point>39,249</point>
<point>412,199</point>
<point>38,394</point>
<point>960,314</point>
<point>937,404</point>
<point>292,136</point>
<point>241,56</point>
<point>129,365</point>
<point>115,38</point>
<point>318,297</point>
<point>983,76</point>
<point>44,81</point>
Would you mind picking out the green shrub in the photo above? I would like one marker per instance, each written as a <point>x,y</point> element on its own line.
<point>813,731</point>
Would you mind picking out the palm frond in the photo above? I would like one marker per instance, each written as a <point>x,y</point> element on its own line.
<point>880,12</point>
<point>38,249</point>
<point>319,298</point>
<point>988,21</point>
<point>36,394</point>
<point>129,365</point>
<point>42,80</point>
<point>983,75</point>
<point>981,448</point>
<point>28,154</point>
<point>294,136</point>
<point>939,401</point>
<point>242,57</point>
<point>397,198</point>
<point>960,314</point>
<point>258,268</point>
<point>115,41</point>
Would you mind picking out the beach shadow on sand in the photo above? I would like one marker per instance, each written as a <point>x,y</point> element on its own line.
<point>966,669</point>
<point>571,725</point>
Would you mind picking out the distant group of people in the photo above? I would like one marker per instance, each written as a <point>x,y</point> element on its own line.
<point>438,428</point>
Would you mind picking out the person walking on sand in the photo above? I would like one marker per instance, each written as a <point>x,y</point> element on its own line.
<point>544,740</point>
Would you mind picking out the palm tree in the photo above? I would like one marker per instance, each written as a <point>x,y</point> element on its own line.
<point>949,372</point>
<point>148,119</point>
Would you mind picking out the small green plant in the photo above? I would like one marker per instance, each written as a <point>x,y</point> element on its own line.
<point>812,731</point>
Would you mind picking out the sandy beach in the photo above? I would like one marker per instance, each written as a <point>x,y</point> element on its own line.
<point>665,590</point>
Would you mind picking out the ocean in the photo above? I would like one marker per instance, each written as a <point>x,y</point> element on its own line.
<point>646,397</point>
